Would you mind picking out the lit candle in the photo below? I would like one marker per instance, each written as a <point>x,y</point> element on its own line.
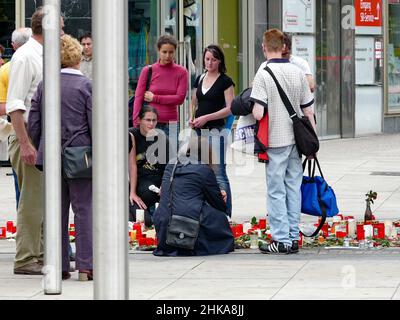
<point>3,232</point>
<point>246,226</point>
<point>340,234</point>
<point>138,228</point>
<point>10,226</point>
<point>262,223</point>
<point>388,228</point>
<point>352,227</point>
<point>253,241</point>
<point>139,215</point>
<point>368,231</point>
<point>360,232</point>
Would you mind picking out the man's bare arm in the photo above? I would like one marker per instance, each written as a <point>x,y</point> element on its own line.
<point>311,82</point>
<point>308,112</point>
<point>28,152</point>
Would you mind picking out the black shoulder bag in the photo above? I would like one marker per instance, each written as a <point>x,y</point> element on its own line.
<point>76,161</point>
<point>182,232</point>
<point>132,100</point>
<point>307,142</point>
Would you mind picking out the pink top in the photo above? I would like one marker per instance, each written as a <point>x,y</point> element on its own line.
<point>169,84</point>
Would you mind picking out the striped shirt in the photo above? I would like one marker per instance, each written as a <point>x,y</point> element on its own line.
<point>265,93</point>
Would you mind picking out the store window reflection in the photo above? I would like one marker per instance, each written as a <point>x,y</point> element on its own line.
<point>169,17</point>
<point>394,58</point>
<point>142,34</point>
<point>7,26</point>
<point>193,36</point>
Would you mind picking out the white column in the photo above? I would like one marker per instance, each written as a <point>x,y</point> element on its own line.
<point>110,149</point>
<point>52,150</point>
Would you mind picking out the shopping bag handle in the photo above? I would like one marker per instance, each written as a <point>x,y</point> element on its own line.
<point>311,173</point>
<point>321,224</point>
<point>311,167</point>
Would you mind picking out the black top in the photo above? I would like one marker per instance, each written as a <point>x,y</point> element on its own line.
<point>213,100</point>
<point>150,168</point>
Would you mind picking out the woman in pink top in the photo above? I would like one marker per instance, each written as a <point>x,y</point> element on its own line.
<point>168,88</point>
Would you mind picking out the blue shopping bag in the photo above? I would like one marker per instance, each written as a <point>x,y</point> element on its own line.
<point>317,197</point>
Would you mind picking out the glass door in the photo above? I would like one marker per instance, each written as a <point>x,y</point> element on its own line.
<point>148,19</point>
<point>183,20</point>
<point>328,77</point>
<point>142,36</point>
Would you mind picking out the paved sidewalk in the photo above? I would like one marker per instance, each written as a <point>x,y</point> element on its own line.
<point>353,167</point>
<point>243,275</point>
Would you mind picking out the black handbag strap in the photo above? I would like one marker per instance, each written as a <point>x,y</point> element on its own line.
<point>171,179</point>
<point>311,173</point>
<point>69,141</point>
<point>284,97</point>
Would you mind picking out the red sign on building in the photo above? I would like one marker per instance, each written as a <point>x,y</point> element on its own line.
<point>368,13</point>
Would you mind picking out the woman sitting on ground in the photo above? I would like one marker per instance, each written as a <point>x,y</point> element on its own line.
<point>193,193</point>
<point>146,142</point>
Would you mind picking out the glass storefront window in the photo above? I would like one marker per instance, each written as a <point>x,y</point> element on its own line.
<point>148,18</point>
<point>193,36</point>
<point>328,76</point>
<point>77,15</point>
<point>142,37</point>
<point>394,58</point>
<point>7,26</point>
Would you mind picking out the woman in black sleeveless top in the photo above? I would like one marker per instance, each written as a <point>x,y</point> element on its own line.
<point>212,99</point>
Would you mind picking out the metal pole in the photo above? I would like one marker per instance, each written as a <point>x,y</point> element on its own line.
<point>110,149</point>
<point>52,157</point>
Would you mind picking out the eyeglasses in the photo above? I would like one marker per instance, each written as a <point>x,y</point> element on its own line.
<point>150,120</point>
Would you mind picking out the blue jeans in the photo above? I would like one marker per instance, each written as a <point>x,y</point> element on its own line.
<point>284,177</point>
<point>219,168</point>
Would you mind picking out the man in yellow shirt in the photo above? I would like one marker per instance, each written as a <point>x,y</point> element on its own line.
<point>5,126</point>
<point>2,49</point>
<point>18,38</point>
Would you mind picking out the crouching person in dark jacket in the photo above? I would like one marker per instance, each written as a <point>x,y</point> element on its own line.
<point>193,193</point>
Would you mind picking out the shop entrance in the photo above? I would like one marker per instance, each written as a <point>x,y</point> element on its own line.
<point>150,18</point>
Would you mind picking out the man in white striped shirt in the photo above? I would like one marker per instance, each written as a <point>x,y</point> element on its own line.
<point>284,170</point>
<point>25,74</point>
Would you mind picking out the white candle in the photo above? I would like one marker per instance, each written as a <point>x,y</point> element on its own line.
<point>352,226</point>
<point>368,231</point>
<point>246,226</point>
<point>253,241</point>
<point>388,228</point>
<point>139,215</point>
